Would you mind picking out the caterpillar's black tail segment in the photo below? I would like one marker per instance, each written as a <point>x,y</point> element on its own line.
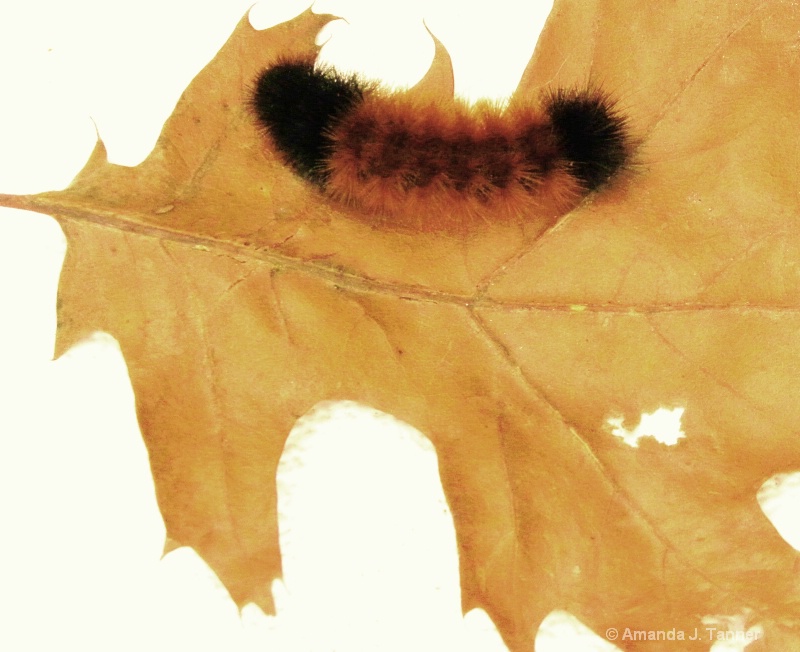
<point>593,135</point>
<point>298,105</point>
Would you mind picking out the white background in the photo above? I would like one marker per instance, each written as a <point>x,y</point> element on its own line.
<point>81,536</point>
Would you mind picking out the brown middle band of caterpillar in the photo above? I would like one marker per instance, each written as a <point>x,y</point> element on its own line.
<point>386,158</point>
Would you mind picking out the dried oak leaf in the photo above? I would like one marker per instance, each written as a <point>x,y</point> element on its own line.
<point>241,298</point>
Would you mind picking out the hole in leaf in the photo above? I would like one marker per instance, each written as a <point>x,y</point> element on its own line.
<point>663,425</point>
<point>732,633</point>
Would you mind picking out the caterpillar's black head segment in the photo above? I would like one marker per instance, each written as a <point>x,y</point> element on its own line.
<point>591,132</point>
<point>298,104</point>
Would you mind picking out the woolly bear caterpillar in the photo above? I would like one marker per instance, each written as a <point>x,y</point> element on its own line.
<point>387,153</point>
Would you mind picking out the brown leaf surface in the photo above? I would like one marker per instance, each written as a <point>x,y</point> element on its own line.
<point>240,299</point>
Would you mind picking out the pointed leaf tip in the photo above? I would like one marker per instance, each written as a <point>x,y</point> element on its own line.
<point>169,545</point>
<point>439,82</point>
<point>295,37</point>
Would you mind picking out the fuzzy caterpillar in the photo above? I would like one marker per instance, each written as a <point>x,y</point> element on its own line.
<point>388,153</point>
